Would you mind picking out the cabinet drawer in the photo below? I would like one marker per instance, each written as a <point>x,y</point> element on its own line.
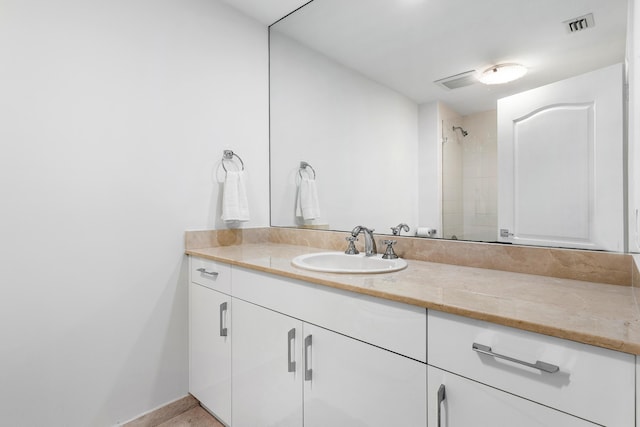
<point>469,403</point>
<point>398,327</point>
<point>212,274</point>
<point>591,382</point>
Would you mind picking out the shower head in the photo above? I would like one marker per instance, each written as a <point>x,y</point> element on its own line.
<point>464,132</point>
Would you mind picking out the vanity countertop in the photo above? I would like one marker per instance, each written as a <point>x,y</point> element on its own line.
<point>592,313</point>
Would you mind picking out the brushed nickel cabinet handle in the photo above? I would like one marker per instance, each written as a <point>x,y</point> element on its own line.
<point>442,395</point>
<point>223,310</point>
<point>210,273</point>
<point>308,372</point>
<point>543,366</point>
<point>291,337</point>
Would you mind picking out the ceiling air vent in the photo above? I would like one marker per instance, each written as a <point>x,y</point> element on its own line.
<point>459,80</point>
<point>579,24</point>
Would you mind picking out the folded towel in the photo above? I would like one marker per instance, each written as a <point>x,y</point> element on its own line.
<point>308,206</point>
<point>235,206</point>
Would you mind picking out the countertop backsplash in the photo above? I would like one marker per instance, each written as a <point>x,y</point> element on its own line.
<point>592,266</point>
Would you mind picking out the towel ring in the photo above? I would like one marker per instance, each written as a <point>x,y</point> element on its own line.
<point>228,155</point>
<point>304,166</point>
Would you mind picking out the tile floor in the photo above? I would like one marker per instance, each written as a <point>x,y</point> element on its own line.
<point>194,417</point>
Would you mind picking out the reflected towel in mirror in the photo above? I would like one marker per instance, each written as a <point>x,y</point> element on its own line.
<point>308,206</point>
<point>235,206</point>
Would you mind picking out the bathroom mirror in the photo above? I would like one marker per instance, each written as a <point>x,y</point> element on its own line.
<point>381,101</point>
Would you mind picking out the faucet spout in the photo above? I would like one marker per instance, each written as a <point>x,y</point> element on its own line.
<point>370,248</point>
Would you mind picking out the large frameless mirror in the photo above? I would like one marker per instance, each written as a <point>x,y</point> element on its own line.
<point>378,117</point>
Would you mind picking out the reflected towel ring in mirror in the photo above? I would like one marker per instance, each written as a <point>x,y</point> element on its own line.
<point>303,166</point>
<point>228,155</point>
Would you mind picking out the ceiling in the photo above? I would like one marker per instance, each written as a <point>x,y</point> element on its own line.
<point>266,11</point>
<point>409,44</point>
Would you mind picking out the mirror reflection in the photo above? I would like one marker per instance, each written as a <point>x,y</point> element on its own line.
<point>378,117</point>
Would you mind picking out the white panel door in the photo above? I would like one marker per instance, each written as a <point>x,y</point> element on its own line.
<point>267,367</point>
<point>210,350</point>
<point>560,157</point>
<point>354,384</point>
<point>455,401</point>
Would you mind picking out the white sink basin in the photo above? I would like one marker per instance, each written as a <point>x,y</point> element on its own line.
<point>339,262</point>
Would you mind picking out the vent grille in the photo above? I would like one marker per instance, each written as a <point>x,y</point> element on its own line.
<point>459,80</point>
<point>580,23</point>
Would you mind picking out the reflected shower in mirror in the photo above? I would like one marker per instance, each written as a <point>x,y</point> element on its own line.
<point>469,177</point>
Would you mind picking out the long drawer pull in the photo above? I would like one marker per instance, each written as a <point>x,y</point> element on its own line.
<point>442,395</point>
<point>291,337</point>
<point>543,366</point>
<point>308,372</point>
<point>223,310</point>
<point>210,273</point>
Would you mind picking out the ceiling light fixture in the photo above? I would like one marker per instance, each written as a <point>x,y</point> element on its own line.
<point>502,73</point>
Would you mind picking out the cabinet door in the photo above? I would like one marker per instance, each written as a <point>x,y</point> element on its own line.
<point>210,350</point>
<point>455,401</point>
<point>267,367</point>
<point>351,383</point>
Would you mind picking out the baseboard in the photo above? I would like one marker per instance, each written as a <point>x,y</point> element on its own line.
<point>163,413</point>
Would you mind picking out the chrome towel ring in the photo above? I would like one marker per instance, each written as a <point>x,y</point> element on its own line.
<point>228,155</point>
<point>304,166</point>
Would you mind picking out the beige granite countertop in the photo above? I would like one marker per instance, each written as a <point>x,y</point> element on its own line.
<point>592,313</point>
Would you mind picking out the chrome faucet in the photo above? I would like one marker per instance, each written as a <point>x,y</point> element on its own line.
<point>369,242</point>
<point>401,227</point>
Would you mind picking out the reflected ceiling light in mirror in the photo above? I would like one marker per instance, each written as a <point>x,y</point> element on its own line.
<point>502,73</point>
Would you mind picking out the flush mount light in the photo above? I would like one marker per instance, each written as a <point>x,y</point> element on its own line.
<point>502,73</point>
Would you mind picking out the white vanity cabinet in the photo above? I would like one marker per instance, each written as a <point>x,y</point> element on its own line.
<point>307,355</point>
<point>534,377</point>
<point>210,336</point>
<point>267,350</point>
<point>346,381</point>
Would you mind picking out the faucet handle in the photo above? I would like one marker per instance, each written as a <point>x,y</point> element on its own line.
<point>400,227</point>
<point>351,250</point>
<point>389,253</point>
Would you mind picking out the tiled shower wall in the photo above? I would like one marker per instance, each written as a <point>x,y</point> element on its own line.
<point>480,176</point>
<point>469,176</point>
<point>452,144</point>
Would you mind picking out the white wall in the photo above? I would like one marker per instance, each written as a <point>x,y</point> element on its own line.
<point>633,137</point>
<point>360,137</point>
<point>113,118</point>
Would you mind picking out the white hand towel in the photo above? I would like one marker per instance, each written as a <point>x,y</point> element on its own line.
<point>235,206</point>
<point>308,206</point>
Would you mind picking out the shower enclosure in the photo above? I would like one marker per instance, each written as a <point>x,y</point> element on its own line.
<point>469,177</point>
